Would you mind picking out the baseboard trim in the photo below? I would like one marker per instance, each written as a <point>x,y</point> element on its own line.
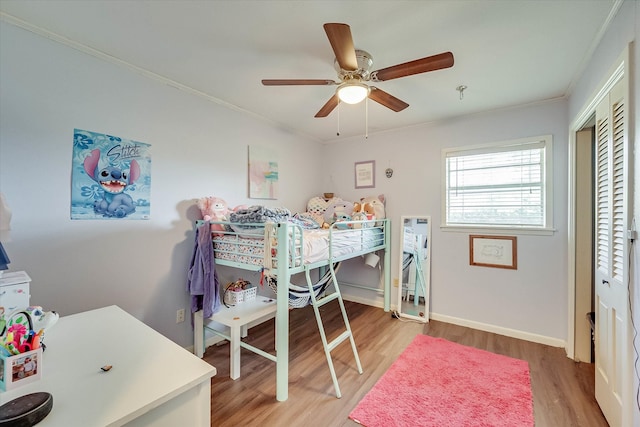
<point>212,339</point>
<point>365,301</point>
<point>513,333</point>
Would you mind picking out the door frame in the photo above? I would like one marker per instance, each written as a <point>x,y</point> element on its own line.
<point>618,72</point>
<point>584,238</point>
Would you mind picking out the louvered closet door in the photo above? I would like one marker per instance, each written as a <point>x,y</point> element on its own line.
<point>611,213</point>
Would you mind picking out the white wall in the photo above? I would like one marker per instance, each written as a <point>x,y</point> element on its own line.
<point>531,299</point>
<point>198,149</point>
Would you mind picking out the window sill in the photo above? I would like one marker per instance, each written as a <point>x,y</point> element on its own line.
<point>498,230</point>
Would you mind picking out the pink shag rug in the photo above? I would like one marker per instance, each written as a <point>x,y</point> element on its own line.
<point>436,382</point>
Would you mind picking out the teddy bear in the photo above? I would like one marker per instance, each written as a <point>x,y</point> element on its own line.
<point>214,209</point>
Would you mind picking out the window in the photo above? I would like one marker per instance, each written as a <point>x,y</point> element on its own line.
<point>500,185</point>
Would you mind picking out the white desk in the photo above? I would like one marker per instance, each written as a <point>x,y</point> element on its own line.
<point>237,319</point>
<point>153,382</point>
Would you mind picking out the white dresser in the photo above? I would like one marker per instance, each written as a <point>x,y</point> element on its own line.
<point>152,382</point>
<point>14,291</point>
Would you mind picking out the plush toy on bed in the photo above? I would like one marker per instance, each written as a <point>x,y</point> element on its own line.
<point>214,209</point>
<point>337,209</point>
<point>365,208</point>
<point>363,212</point>
<point>339,219</point>
<point>377,204</point>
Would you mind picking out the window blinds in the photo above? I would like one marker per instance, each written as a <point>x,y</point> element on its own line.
<point>498,185</point>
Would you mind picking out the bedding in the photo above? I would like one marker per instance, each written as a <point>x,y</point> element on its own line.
<point>244,249</point>
<point>259,214</point>
<point>343,242</point>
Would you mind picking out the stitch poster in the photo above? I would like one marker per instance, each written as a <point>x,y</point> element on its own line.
<point>111,177</point>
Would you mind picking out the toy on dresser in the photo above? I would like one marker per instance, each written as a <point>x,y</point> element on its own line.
<point>23,329</point>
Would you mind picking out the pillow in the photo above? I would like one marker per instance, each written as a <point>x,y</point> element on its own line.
<point>317,206</point>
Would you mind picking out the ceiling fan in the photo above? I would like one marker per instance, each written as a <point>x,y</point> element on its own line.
<point>354,70</point>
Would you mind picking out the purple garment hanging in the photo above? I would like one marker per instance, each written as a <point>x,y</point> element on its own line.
<point>202,280</point>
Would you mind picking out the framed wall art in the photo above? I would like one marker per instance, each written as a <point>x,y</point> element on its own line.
<point>263,173</point>
<point>493,251</point>
<point>110,177</point>
<point>365,174</point>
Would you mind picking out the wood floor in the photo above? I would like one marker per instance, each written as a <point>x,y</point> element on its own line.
<point>563,390</point>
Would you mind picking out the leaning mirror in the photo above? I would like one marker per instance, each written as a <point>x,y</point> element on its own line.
<point>415,267</point>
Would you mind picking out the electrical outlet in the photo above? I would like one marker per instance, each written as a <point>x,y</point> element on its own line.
<point>180,316</point>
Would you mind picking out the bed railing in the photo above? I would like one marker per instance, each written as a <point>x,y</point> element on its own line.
<point>243,245</point>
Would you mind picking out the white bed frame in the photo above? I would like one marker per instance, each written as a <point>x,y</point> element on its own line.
<point>289,262</point>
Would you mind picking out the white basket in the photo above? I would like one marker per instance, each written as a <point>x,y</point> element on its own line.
<point>238,297</point>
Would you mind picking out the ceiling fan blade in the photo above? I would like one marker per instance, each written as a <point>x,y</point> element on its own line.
<point>328,107</point>
<point>342,44</point>
<point>430,63</point>
<point>297,82</point>
<point>389,101</point>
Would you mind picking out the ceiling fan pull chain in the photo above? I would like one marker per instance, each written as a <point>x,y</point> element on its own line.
<point>338,133</point>
<point>366,118</point>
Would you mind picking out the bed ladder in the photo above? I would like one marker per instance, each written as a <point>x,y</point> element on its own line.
<point>328,346</point>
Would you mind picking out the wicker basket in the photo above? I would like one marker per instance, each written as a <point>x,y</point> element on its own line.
<point>238,297</point>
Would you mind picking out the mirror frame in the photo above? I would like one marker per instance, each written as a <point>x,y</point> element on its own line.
<point>426,268</point>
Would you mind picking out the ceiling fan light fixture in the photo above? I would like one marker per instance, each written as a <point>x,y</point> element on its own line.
<point>352,92</point>
<point>354,68</point>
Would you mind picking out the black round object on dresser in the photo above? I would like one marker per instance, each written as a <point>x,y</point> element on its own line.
<point>26,411</point>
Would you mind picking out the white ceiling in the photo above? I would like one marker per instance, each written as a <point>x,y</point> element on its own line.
<point>507,52</point>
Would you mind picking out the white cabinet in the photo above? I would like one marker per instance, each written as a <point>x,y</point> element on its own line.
<point>14,291</point>
<point>154,381</point>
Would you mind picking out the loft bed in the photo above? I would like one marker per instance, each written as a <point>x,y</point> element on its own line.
<point>281,249</point>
